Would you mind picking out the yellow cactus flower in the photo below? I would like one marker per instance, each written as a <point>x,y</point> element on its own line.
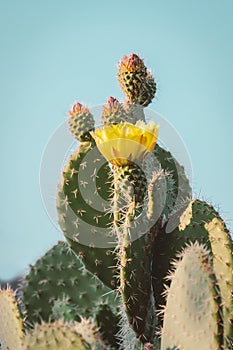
<point>125,143</point>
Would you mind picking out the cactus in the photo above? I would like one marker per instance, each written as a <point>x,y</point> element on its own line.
<point>125,207</point>
<point>11,324</point>
<point>135,287</point>
<point>200,222</point>
<point>222,251</point>
<point>193,315</point>
<point>157,183</point>
<point>58,286</point>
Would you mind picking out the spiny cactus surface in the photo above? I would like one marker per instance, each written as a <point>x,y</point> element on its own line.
<point>136,81</point>
<point>81,122</point>
<point>11,325</point>
<point>59,285</point>
<point>192,315</point>
<point>113,112</point>
<point>54,336</point>
<point>192,223</point>
<point>222,252</point>
<point>83,209</point>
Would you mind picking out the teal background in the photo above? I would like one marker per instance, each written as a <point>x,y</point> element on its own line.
<point>56,52</point>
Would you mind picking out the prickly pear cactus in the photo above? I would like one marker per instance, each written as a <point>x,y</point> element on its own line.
<point>58,286</point>
<point>198,221</point>
<point>193,311</point>
<point>142,216</point>
<point>127,189</point>
<point>125,207</point>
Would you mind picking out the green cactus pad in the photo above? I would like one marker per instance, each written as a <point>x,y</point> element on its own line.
<point>222,251</point>
<point>192,316</point>
<point>60,276</point>
<point>190,227</point>
<point>82,179</point>
<point>99,261</point>
<point>54,336</point>
<point>11,325</point>
<point>83,209</point>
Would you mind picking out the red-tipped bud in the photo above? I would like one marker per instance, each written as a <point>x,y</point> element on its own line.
<point>78,108</point>
<point>80,122</point>
<point>131,63</point>
<point>113,112</point>
<point>112,103</point>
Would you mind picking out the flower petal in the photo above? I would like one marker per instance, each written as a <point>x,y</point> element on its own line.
<point>126,142</point>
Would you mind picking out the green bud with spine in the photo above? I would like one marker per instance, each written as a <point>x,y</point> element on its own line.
<point>136,81</point>
<point>81,122</point>
<point>113,112</point>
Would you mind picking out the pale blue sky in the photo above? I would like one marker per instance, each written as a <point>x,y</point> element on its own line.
<point>56,52</point>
